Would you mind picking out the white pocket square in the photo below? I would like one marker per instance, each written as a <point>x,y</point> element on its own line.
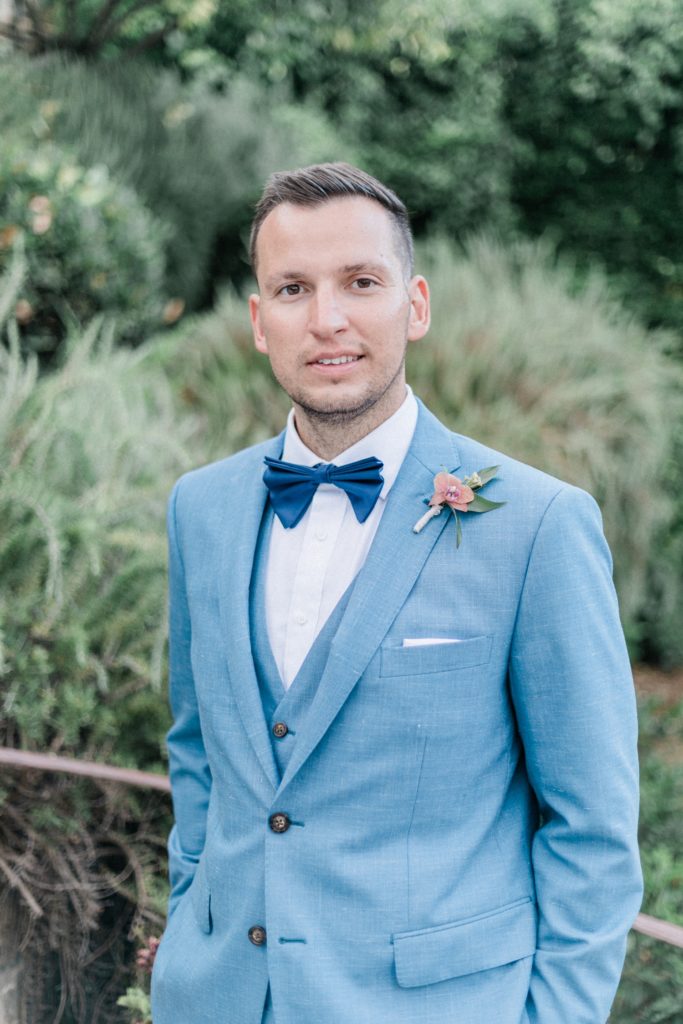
<point>429,641</point>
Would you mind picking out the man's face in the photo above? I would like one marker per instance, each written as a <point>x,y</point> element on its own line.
<point>335,310</point>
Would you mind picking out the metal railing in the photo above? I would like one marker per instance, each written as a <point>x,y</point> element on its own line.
<point>655,928</point>
<point>89,769</point>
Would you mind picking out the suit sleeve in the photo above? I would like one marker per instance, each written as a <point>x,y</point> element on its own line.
<point>189,769</point>
<point>573,693</point>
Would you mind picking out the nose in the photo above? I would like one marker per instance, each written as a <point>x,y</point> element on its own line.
<point>327,315</point>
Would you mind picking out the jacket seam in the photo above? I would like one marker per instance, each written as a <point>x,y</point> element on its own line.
<point>532,548</point>
<point>176,538</point>
<point>410,823</point>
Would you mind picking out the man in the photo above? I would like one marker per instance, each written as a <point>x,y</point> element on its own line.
<point>403,763</point>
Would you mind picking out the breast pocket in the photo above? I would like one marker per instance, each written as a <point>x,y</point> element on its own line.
<point>397,660</point>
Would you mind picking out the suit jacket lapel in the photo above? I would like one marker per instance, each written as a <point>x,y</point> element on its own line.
<point>237,563</point>
<point>384,582</point>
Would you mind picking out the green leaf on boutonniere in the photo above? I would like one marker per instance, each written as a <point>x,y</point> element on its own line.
<point>485,475</point>
<point>480,504</point>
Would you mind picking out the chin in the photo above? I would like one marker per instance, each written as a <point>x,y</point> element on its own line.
<point>340,405</point>
<point>345,400</point>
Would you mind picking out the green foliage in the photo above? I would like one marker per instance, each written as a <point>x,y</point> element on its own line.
<point>597,105</point>
<point>88,456</point>
<point>418,92</point>
<point>547,115</point>
<point>222,380</point>
<point>543,115</point>
<point>92,27</point>
<point>565,380</point>
<point>651,991</point>
<point>556,117</point>
<point>663,611</point>
<point>137,1000</point>
<point>89,244</point>
<point>196,157</point>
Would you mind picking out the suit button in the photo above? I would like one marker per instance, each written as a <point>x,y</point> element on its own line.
<point>279,822</point>
<point>257,935</point>
<point>280,729</point>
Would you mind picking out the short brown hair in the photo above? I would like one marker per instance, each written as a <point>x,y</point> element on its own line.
<point>310,186</point>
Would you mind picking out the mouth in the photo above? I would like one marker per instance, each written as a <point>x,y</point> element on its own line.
<point>335,361</point>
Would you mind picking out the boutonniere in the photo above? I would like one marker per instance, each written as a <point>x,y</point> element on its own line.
<point>459,496</point>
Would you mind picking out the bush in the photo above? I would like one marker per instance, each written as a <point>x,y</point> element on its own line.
<point>662,613</point>
<point>651,990</point>
<point>220,377</point>
<point>541,114</point>
<point>90,246</point>
<point>596,100</point>
<point>196,157</point>
<point>417,90</point>
<point>560,376</point>
<point>87,456</point>
<point>89,453</point>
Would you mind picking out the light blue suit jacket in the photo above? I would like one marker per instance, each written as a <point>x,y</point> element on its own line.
<point>463,846</point>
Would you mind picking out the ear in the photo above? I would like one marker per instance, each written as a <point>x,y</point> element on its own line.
<point>420,317</point>
<point>256,326</point>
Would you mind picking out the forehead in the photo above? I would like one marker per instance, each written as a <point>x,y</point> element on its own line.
<point>344,230</point>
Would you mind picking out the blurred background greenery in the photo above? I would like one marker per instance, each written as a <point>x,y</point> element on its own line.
<point>539,147</point>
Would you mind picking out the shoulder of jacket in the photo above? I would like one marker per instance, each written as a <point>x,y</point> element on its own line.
<point>534,485</point>
<point>229,472</point>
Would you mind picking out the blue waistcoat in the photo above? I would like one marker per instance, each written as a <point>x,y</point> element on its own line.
<point>280,705</point>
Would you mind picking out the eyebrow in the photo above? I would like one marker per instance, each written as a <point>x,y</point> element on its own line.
<point>355,268</point>
<point>286,275</point>
<point>348,268</point>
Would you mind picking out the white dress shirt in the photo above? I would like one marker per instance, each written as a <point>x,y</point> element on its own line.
<point>311,565</point>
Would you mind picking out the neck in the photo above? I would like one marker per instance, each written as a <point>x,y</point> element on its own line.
<point>327,434</point>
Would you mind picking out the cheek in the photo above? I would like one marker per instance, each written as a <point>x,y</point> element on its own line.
<point>388,342</point>
<point>388,326</point>
<point>280,360</point>
<point>280,338</point>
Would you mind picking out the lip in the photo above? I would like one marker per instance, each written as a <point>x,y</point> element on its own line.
<point>335,369</point>
<point>334,355</point>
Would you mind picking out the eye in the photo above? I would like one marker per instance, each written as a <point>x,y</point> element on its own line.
<point>364,283</point>
<point>290,290</point>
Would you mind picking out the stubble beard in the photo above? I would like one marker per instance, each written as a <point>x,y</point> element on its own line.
<point>322,415</point>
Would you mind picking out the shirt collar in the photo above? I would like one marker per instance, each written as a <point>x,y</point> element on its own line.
<point>389,442</point>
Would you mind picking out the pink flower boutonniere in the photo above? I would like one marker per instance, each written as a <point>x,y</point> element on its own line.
<point>459,496</point>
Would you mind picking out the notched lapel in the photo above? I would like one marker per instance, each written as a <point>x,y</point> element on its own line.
<point>235,575</point>
<point>393,565</point>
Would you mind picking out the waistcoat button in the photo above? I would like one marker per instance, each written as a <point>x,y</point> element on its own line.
<point>279,822</point>
<point>257,935</point>
<point>280,729</point>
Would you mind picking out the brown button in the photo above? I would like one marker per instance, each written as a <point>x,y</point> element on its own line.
<point>279,822</point>
<point>257,935</point>
<point>280,729</point>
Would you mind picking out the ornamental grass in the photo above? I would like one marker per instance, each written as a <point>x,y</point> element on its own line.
<point>87,455</point>
<point>551,369</point>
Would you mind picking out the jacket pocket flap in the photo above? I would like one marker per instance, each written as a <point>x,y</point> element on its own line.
<point>397,660</point>
<point>200,895</point>
<point>465,947</point>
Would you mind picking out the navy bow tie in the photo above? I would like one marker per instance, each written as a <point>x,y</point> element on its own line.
<point>292,487</point>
